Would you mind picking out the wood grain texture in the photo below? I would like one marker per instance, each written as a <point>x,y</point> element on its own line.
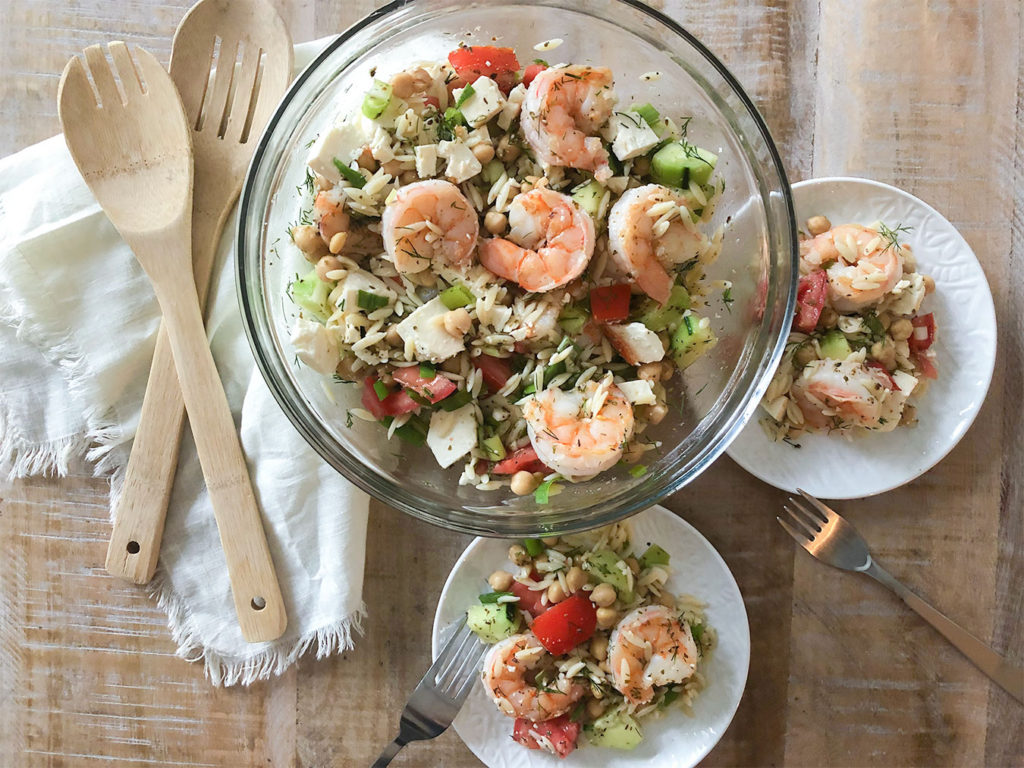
<point>925,95</point>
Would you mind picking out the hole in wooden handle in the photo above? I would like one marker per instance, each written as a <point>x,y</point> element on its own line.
<point>258,603</point>
<point>133,547</point>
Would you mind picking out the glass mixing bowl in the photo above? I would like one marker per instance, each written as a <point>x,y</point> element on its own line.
<point>712,399</point>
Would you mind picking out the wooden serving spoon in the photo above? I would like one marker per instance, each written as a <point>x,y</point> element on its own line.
<point>226,112</point>
<point>130,140</point>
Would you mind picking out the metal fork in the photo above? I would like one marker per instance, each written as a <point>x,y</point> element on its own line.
<point>441,693</point>
<point>827,536</point>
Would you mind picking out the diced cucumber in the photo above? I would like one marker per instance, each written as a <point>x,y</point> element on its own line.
<point>572,319</point>
<point>493,448</point>
<point>615,729</point>
<point>654,555</point>
<point>678,163</point>
<point>659,318</point>
<point>648,113</point>
<point>493,622</point>
<point>492,171</point>
<point>533,547</point>
<point>603,565</point>
<point>691,339</point>
<point>834,345</point>
<point>311,293</point>
<point>377,99</point>
<point>588,197</point>
<point>456,296</point>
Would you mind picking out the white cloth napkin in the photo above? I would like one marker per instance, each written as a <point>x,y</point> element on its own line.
<point>78,324</point>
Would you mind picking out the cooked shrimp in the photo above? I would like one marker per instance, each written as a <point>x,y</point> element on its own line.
<point>550,243</point>
<point>833,393</point>
<point>562,112</point>
<point>650,647</point>
<point>650,231</point>
<point>329,205</point>
<point>429,221</point>
<point>509,671</point>
<point>862,267</point>
<point>579,433</point>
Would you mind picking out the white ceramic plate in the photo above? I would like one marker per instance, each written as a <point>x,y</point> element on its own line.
<point>672,741</point>
<point>839,468</point>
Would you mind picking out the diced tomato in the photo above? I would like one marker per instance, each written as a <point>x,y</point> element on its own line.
<point>495,370</point>
<point>531,72</point>
<point>885,371</point>
<point>925,365</point>
<point>432,101</point>
<point>561,732</point>
<point>924,332</point>
<point>565,625</point>
<point>525,459</point>
<point>395,404</point>
<point>529,599</point>
<point>810,300</point>
<point>482,467</point>
<point>499,64</point>
<point>610,303</point>
<point>434,389</point>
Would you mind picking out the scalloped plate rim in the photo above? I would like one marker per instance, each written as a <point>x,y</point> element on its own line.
<point>763,470</point>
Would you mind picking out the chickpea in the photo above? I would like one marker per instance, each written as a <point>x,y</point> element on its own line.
<point>338,242</point>
<point>929,284</point>
<point>392,167</point>
<point>901,329</point>
<point>323,183</point>
<point>307,238</point>
<point>599,647</point>
<point>603,595</point>
<point>668,370</point>
<point>508,151</point>
<point>885,353</point>
<point>818,225</point>
<point>549,541</point>
<point>457,322</point>
<point>885,319</point>
<point>555,593</point>
<point>484,152</point>
<point>402,85</point>
<point>345,370</point>
<point>657,413</point>
<point>495,222</point>
<point>634,565</point>
<point>523,483</point>
<point>367,160</point>
<point>804,354</point>
<point>829,318</point>
<point>452,364</point>
<point>575,578</point>
<point>633,453</point>
<point>666,599</point>
<point>409,177</point>
<point>325,265</point>
<point>500,581</point>
<point>525,187</point>
<point>518,555</point>
<point>641,166</point>
<point>392,337</point>
<point>607,618</point>
<point>421,79</point>
<point>649,372</point>
<point>595,708</point>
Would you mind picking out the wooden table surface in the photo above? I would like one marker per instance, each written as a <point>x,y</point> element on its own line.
<point>924,95</point>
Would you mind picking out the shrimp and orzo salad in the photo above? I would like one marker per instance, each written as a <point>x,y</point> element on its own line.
<point>859,349</point>
<point>509,263</point>
<point>586,637</point>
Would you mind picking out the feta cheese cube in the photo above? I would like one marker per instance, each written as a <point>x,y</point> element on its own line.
<point>452,434</point>
<point>513,104</point>
<point>635,342</point>
<point>638,392</point>
<point>425,329</point>
<point>462,163</point>
<point>426,161</point>
<point>632,135</point>
<point>315,346</point>
<point>906,296</point>
<point>347,292</point>
<point>344,141</point>
<point>485,103</point>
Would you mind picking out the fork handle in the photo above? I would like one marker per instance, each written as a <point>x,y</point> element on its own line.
<point>389,752</point>
<point>1006,675</point>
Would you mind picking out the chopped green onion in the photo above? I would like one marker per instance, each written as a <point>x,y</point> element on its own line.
<point>530,388</point>
<point>413,431</point>
<point>352,176</point>
<point>371,301</point>
<point>573,318</point>
<point>453,116</point>
<point>647,112</point>
<point>541,61</point>
<point>638,471</point>
<point>456,296</point>
<point>697,630</point>
<point>553,370</point>
<point>543,493</point>
<point>456,400</point>
<point>564,343</point>
<point>377,99</point>
<point>466,94</point>
<point>427,371</point>
<point>416,397</point>
<point>669,697</point>
<point>533,547</point>
<point>492,597</point>
<point>381,389</point>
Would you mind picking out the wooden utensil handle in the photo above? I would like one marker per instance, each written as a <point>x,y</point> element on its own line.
<point>254,586</point>
<point>142,506</point>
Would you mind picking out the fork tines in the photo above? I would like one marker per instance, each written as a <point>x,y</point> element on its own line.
<point>806,519</point>
<point>454,670</point>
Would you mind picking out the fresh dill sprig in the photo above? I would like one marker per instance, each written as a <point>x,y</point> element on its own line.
<point>892,236</point>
